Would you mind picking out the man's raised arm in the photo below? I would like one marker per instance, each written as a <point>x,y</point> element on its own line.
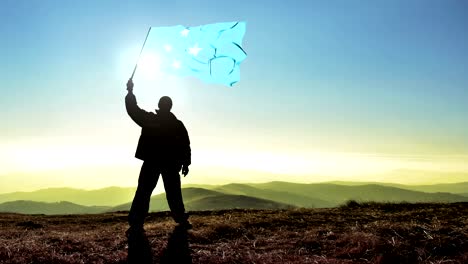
<point>140,116</point>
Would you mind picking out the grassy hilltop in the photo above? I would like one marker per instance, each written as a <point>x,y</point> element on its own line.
<point>355,233</point>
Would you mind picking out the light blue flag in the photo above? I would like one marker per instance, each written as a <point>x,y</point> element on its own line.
<point>212,52</point>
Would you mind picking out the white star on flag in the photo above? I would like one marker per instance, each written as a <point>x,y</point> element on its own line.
<point>195,50</point>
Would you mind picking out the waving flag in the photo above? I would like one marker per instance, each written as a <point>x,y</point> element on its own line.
<point>212,52</point>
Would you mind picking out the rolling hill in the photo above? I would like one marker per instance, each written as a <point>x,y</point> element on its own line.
<point>271,195</point>
<point>338,194</point>
<point>198,199</point>
<point>110,196</point>
<point>158,202</point>
<point>456,188</point>
<point>229,201</point>
<point>30,207</point>
<point>277,196</point>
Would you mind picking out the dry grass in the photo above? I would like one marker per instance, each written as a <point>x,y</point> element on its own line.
<point>354,233</point>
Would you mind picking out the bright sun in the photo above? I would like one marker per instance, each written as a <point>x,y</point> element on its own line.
<point>149,65</point>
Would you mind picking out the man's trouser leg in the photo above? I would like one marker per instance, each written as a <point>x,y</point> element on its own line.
<point>147,180</point>
<point>172,186</point>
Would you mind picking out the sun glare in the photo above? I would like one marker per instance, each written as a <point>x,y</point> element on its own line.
<point>149,65</point>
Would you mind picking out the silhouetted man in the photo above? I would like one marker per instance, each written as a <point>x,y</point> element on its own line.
<point>164,147</point>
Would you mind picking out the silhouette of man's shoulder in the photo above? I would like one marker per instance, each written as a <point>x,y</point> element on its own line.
<point>168,117</point>
<point>180,124</point>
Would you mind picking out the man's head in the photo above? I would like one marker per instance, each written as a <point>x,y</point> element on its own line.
<point>165,104</point>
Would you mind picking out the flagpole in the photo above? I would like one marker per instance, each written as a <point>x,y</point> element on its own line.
<point>141,51</point>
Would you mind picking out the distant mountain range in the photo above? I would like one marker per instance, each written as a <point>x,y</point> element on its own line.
<point>338,194</point>
<point>457,188</point>
<point>271,195</point>
<point>31,207</point>
<point>198,199</point>
<point>110,196</point>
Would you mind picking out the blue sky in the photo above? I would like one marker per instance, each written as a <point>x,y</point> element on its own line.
<point>368,77</point>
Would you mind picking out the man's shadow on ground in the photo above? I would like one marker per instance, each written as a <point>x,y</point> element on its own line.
<point>176,251</point>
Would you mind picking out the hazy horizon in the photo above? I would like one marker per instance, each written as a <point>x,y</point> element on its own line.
<point>369,91</point>
<point>159,189</point>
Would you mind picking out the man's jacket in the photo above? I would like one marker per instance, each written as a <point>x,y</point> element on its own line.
<point>163,139</point>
